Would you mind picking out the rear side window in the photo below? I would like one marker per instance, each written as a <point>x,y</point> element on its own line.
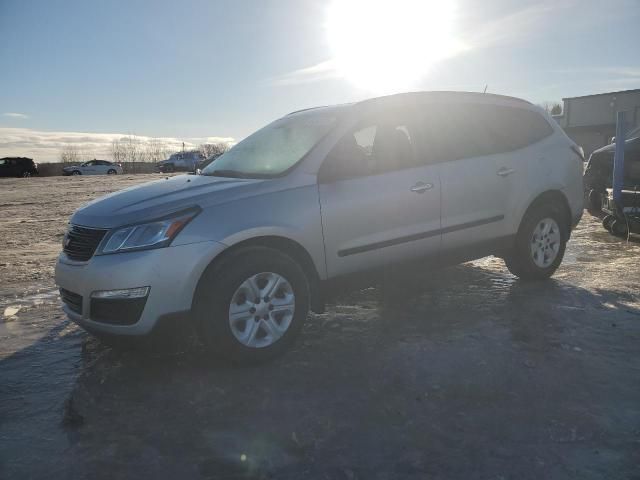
<point>457,131</point>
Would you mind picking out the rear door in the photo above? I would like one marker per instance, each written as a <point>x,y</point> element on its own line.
<point>380,201</point>
<point>476,182</point>
<point>103,167</point>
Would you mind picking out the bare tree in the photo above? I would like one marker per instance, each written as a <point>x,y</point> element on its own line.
<point>155,150</point>
<point>70,154</point>
<point>213,150</point>
<point>117,151</point>
<point>553,108</point>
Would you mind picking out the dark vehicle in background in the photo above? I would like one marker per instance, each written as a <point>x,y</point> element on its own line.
<point>598,175</point>
<point>18,167</point>
<point>181,162</point>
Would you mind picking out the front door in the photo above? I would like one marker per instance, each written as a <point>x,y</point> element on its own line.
<point>380,202</point>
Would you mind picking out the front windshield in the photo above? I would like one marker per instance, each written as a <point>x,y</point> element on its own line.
<point>275,148</point>
<point>634,133</point>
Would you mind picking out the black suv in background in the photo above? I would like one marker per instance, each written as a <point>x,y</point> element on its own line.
<point>17,167</point>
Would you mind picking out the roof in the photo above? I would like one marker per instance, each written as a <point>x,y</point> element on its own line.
<point>447,94</point>
<point>636,90</point>
<point>425,94</point>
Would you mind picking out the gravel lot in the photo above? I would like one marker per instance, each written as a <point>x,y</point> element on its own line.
<point>462,373</point>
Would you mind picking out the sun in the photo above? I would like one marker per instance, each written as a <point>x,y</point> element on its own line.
<point>389,45</point>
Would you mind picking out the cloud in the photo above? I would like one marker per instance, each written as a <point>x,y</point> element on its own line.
<point>45,146</point>
<point>321,71</point>
<point>20,116</point>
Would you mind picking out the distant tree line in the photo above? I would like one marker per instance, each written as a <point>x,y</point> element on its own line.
<point>130,150</point>
<point>553,108</point>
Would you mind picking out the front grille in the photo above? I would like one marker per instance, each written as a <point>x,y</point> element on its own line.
<point>73,300</point>
<point>81,242</point>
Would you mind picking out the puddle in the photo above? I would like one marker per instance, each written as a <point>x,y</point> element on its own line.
<point>23,300</point>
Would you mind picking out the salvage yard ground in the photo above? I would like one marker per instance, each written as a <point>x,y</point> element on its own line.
<point>465,373</point>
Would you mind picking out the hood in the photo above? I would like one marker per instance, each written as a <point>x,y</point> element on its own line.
<point>162,197</point>
<point>630,144</point>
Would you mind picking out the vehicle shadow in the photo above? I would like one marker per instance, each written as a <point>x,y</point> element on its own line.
<point>398,370</point>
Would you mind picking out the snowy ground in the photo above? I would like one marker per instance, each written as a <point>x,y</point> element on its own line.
<point>465,373</point>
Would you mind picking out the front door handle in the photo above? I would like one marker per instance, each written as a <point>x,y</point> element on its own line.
<point>421,187</point>
<point>504,171</point>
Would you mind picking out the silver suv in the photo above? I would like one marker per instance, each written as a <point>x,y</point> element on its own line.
<point>249,246</point>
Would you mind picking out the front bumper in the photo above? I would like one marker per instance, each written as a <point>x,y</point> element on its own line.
<point>171,273</point>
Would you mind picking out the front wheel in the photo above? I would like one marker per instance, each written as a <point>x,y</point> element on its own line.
<point>540,244</point>
<point>250,306</point>
<point>76,172</point>
<point>112,172</point>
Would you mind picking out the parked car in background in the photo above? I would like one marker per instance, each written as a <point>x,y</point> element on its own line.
<point>18,167</point>
<point>94,167</point>
<point>248,247</point>
<point>598,175</point>
<point>180,162</point>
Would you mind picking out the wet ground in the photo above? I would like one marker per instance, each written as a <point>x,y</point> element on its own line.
<point>464,373</point>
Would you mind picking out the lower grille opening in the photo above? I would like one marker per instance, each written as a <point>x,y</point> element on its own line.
<point>72,300</point>
<point>120,311</point>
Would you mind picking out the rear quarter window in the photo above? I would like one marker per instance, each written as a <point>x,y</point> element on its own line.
<point>457,131</point>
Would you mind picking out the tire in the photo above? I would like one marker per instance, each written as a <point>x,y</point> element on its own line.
<point>538,261</point>
<point>26,174</point>
<point>594,201</point>
<point>618,227</point>
<point>112,172</point>
<point>76,172</point>
<point>228,281</point>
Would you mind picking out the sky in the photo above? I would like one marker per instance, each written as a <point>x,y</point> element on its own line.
<point>87,72</point>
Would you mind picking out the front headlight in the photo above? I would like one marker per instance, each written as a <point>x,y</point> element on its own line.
<point>143,236</point>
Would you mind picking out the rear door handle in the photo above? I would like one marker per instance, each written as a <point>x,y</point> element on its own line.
<point>421,187</point>
<point>503,172</point>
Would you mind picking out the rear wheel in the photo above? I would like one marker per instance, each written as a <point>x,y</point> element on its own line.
<point>26,174</point>
<point>540,243</point>
<point>252,305</point>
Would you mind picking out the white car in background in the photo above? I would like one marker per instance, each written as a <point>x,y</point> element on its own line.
<point>94,167</point>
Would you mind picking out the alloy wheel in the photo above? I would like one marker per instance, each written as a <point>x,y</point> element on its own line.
<point>261,310</point>
<point>545,242</point>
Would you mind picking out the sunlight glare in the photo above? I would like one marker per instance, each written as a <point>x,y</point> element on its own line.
<point>388,45</point>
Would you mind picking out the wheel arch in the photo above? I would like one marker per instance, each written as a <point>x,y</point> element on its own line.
<point>288,247</point>
<point>555,197</point>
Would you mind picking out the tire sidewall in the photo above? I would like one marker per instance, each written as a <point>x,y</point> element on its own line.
<point>220,282</point>
<point>523,241</point>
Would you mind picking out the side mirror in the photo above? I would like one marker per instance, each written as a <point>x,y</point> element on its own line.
<point>613,140</point>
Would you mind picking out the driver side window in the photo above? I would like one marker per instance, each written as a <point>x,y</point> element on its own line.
<point>370,150</point>
<point>351,157</point>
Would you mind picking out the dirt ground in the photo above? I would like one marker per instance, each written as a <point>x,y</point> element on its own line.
<point>464,373</point>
